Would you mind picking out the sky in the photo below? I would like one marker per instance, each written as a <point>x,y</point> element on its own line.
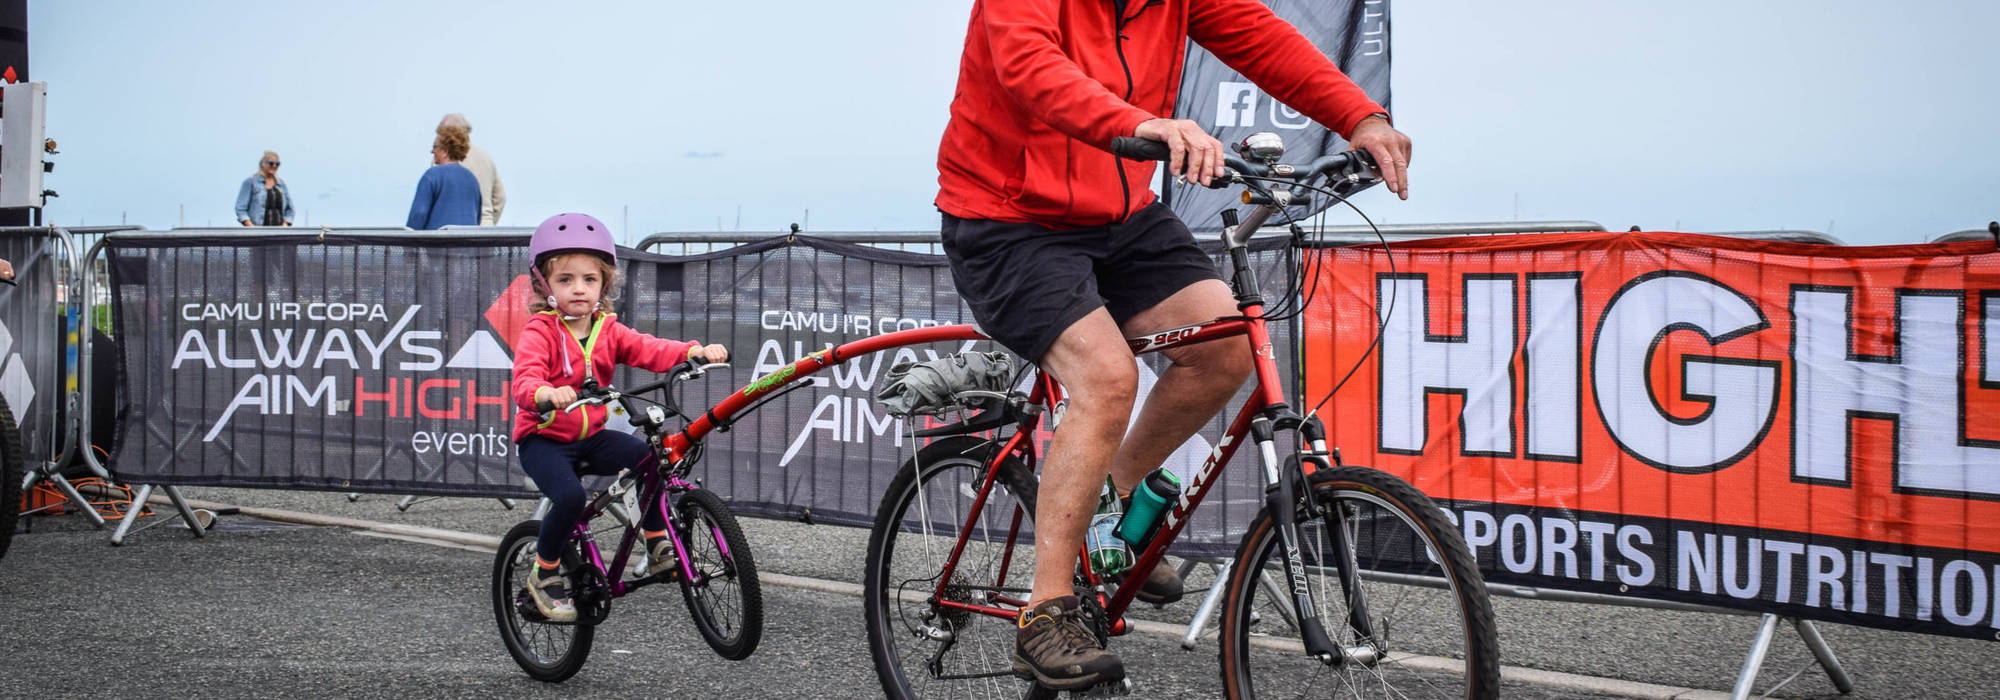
<point>1871,121</point>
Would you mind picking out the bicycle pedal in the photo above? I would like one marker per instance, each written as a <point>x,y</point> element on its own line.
<point>1115,689</point>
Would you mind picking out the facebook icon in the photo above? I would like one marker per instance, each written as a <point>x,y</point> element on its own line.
<point>1235,104</point>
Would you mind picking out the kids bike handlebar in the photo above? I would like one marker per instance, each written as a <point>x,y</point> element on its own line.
<point>592,394</point>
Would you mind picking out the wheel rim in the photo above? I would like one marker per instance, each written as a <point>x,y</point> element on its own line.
<point>540,644</point>
<point>978,662</point>
<point>716,591</point>
<point>1413,608</point>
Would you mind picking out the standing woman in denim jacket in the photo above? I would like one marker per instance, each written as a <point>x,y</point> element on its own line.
<point>263,200</point>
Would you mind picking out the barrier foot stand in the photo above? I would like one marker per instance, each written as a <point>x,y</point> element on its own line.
<point>194,518</point>
<point>542,509</point>
<point>82,505</point>
<point>1208,603</point>
<point>410,500</point>
<point>1746,679</point>
<point>1824,654</point>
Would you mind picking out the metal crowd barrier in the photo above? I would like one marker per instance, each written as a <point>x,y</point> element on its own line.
<point>687,243</point>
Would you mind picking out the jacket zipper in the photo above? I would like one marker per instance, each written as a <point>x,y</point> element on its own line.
<point>1118,44</point>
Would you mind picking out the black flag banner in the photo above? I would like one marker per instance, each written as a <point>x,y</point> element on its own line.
<point>1354,33</point>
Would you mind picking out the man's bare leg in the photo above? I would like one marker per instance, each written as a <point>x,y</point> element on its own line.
<point>1095,367</point>
<point>1201,379</point>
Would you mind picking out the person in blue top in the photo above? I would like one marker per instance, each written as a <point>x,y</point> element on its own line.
<point>263,200</point>
<point>448,193</point>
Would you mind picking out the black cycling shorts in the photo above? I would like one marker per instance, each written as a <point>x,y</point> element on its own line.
<point>1026,283</point>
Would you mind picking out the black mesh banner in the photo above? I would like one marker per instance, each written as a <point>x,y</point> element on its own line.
<point>1353,33</point>
<point>349,362</point>
<point>380,364</point>
<point>33,315</point>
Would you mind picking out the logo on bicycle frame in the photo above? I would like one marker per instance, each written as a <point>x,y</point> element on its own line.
<point>1164,338</point>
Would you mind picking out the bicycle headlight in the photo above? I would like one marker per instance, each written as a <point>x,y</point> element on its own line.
<point>656,415</point>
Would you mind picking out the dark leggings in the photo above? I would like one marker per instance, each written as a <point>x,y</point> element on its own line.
<point>553,466</point>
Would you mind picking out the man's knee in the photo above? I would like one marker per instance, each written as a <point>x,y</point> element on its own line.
<point>1108,384</point>
<point>1225,361</point>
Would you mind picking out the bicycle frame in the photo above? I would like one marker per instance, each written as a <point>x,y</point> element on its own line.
<point>1261,417</point>
<point>1265,413</point>
<point>653,490</point>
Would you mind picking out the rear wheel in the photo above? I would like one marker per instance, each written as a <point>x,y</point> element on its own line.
<point>726,603</point>
<point>1430,630</point>
<point>923,649</point>
<point>548,652</point>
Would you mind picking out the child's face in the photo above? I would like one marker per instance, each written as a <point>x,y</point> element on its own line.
<point>577,282</point>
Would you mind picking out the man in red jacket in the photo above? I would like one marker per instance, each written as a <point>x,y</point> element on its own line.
<point>1061,251</point>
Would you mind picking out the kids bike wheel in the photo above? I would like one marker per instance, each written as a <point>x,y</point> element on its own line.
<point>1429,630</point>
<point>723,597</point>
<point>549,652</point>
<point>11,468</point>
<point>923,648</point>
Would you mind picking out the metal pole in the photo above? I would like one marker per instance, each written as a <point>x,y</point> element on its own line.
<point>132,515</point>
<point>1824,654</point>
<point>1207,610</point>
<point>187,513</point>
<point>1746,679</point>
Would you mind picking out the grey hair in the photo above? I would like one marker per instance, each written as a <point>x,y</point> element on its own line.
<point>457,120</point>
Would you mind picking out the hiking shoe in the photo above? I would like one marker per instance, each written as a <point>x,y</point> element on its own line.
<point>1161,587</point>
<point>551,596</point>
<point>1054,648</point>
<point>660,556</point>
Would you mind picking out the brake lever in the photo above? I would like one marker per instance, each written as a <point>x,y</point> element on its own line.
<point>696,371</point>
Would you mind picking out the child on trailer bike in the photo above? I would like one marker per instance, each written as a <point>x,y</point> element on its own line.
<point>1062,252</point>
<point>573,337</point>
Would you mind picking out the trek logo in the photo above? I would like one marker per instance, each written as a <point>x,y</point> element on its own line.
<point>1200,481</point>
<point>1236,105</point>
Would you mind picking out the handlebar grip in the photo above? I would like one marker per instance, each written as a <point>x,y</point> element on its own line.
<point>1137,148</point>
<point>544,405</point>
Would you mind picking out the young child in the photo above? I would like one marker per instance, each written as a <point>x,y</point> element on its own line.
<point>572,336</point>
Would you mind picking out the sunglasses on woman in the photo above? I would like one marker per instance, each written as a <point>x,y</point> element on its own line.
<point>271,163</point>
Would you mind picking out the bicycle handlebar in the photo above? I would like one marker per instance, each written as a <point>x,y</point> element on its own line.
<point>1354,165</point>
<point>592,394</point>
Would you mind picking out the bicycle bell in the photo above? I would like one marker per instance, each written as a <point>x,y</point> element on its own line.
<point>1263,146</point>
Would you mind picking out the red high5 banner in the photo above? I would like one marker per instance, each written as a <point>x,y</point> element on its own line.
<point>1785,427</point>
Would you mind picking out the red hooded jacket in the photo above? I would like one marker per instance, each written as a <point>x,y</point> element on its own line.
<point>546,354</point>
<point>1044,85</point>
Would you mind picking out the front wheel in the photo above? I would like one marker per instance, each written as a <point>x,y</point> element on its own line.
<point>723,597</point>
<point>548,652</point>
<point>1427,627</point>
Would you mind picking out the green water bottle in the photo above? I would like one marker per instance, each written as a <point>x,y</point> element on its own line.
<point>1109,556</point>
<point>1149,504</point>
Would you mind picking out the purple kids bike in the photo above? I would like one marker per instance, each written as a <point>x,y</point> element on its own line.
<point>716,574</point>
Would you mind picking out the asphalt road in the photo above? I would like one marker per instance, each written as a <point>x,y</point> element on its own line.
<point>265,610</point>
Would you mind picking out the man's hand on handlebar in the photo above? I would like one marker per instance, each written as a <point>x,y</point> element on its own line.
<point>1391,150</point>
<point>705,354</point>
<point>1196,157</point>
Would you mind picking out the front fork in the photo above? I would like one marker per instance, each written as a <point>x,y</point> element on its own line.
<point>1281,501</point>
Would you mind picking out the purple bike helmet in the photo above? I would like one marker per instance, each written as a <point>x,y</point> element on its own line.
<point>572,233</point>
<point>569,233</point>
